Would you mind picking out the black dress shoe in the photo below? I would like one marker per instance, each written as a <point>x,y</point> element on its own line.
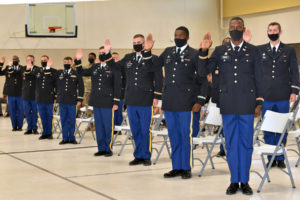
<point>19,128</point>
<point>232,189</point>
<point>63,142</point>
<point>49,137</point>
<point>108,153</point>
<point>15,129</point>
<point>246,189</point>
<point>186,174</point>
<point>100,153</point>
<point>73,142</point>
<point>35,132</point>
<point>43,137</point>
<point>136,161</point>
<point>28,132</point>
<point>221,153</point>
<point>281,164</point>
<point>173,173</point>
<point>273,164</point>
<point>147,162</point>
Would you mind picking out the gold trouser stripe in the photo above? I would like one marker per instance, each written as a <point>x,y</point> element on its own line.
<point>112,128</point>
<point>191,141</point>
<point>150,133</point>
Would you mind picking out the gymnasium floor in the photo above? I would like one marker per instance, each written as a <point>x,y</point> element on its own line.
<point>33,169</point>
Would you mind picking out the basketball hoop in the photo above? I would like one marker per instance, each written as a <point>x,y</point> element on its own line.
<point>52,29</point>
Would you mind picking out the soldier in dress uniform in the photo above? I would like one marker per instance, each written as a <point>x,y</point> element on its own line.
<point>118,113</point>
<point>70,90</point>
<point>28,96</point>
<point>104,97</point>
<point>181,97</point>
<point>143,90</point>
<point>240,98</point>
<point>281,81</point>
<point>13,89</point>
<point>215,93</point>
<point>44,94</point>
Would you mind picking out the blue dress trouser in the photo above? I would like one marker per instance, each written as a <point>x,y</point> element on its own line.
<point>238,131</point>
<point>273,138</point>
<point>196,123</point>
<point>16,111</point>
<point>68,119</point>
<point>104,123</point>
<point>180,133</point>
<point>140,118</point>
<point>46,114</point>
<point>30,109</point>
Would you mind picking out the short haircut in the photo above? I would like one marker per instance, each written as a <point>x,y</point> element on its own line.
<point>68,58</point>
<point>102,47</point>
<point>93,54</point>
<point>239,19</point>
<point>115,53</point>
<point>16,58</point>
<point>275,24</point>
<point>184,29</point>
<point>138,35</point>
<point>45,56</point>
<point>31,56</point>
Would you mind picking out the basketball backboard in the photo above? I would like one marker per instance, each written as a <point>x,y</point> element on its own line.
<point>51,20</point>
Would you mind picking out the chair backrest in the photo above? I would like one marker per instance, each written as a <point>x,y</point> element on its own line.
<point>90,108</point>
<point>275,122</point>
<point>213,117</point>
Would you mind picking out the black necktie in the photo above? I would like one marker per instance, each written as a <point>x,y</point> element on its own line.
<point>274,51</point>
<point>236,49</point>
<point>178,51</point>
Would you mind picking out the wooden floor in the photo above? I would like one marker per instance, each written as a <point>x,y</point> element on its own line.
<point>32,169</point>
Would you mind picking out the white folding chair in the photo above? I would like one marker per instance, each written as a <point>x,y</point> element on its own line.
<point>213,118</point>
<point>165,136</point>
<point>276,123</point>
<point>118,130</point>
<point>295,134</point>
<point>128,136</point>
<point>84,119</point>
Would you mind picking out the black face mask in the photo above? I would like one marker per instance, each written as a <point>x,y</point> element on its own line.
<point>67,66</point>
<point>91,60</point>
<point>102,57</point>
<point>15,63</point>
<point>273,37</point>
<point>138,47</point>
<point>44,64</point>
<point>236,35</point>
<point>180,42</point>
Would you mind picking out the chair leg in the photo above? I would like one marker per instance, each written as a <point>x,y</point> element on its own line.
<point>82,135</point>
<point>123,145</point>
<point>168,148</point>
<point>298,146</point>
<point>208,157</point>
<point>159,152</point>
<point>289,169</point>
<point>264,165</point>
<point>266,174</point>
<point>115,137</point>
